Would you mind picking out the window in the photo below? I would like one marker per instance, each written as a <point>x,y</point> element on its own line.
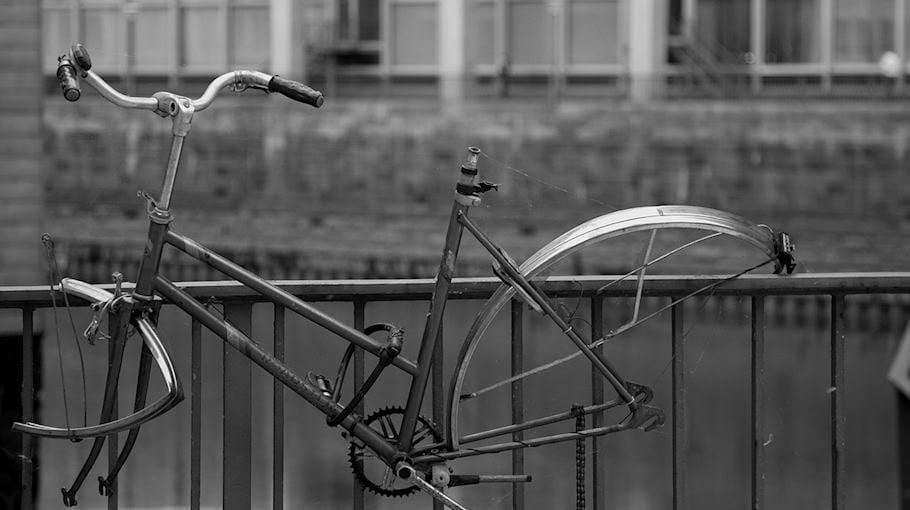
<point>863,31</point>
<point>399,36</point>
<point>723,27</point>
<point>793,31</point>
<point>534,36</point>
<point>412,34</point>
<point>166,37</point>
<point>357,21</point>
<point>593,32</point>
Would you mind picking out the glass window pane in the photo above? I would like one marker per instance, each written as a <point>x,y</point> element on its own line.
<point>203,36</point>
<point>593,32</point>
<point>101,36</point>
<point>58,36</point>
<point>530,26</point>
<point>723,27</point>
<point>793,31</point>
<point>344,20</point>
<point>250,37</point>
<point>368,20</point>
<point>155,39</point>
<point>863,31</point>
<point>481,29</point>
<point>413,33</point>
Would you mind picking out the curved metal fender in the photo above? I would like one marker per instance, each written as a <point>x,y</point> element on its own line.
<point>595,230</point>
<point>174,390</point>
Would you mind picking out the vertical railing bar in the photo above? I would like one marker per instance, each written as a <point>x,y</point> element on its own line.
<point>237,415</point>
<point>27,397</point>
<point>196,415</point>
<point>758,393</point>
<point>359,324</point>
<point>517,340</point>
<point>903,450</point>
<point>278,330</point>
<point>838,416</point>
<point>112,446</point>
<point>679,408</point>
<point>437,391</point>
<point>599,472</point>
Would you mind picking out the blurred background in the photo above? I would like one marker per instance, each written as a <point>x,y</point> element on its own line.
<point>793,113</point>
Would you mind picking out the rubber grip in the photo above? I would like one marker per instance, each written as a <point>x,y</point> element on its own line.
<point>66,75</point>
<point>296,91</point>
<point>81,56</point>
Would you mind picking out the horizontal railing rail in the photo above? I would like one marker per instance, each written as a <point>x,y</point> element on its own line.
<point>835,288</point>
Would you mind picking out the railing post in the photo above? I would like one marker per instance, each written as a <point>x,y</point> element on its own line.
<point>236,415</point>
<point>518,414</point>
<point>27,397</point>
<point>679,408</point>
<point>278,415</point>
<point>112,446</point>
<point>437,391</point>
<point>758,392</point>
<point>838,415</point>
<point>360,324</point>
<point>903,450</point>
<point>597,397</point>
<point>195,414</point>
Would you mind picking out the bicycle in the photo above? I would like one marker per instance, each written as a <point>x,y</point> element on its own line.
<point>410,451</point>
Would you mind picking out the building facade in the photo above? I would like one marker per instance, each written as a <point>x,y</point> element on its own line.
<point>626,48</point>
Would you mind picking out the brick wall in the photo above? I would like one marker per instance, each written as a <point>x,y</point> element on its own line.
<point>21,147</point>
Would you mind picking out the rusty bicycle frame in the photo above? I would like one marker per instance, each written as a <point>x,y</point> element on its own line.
<point>139,308</point>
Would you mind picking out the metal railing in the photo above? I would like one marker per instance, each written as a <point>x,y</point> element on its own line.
<point>837,289</point>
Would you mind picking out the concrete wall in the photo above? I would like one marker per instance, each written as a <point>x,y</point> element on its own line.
<point>363,180</point>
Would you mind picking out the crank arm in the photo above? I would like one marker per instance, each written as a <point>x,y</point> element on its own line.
<point>407,472</point>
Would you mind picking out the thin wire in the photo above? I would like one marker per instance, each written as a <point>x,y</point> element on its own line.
<point>55,276</point>
<point>543,182</point>
<point>48,247</point>
<point>609,335</point>
<point>658,259</point>
<point>69,314</point>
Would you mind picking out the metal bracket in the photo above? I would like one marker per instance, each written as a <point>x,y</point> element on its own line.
<point>179,108</point>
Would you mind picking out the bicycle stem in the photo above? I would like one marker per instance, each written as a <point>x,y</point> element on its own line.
<point>181,110</point>
<point>170,174</point>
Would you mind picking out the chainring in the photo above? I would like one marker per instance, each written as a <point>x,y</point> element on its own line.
<point>370,470</point>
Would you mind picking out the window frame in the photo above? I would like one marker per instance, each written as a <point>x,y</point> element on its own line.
<point>174,65</point>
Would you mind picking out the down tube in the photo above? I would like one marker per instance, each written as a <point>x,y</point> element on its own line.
<point>254,352</point>
<point>276,295</point>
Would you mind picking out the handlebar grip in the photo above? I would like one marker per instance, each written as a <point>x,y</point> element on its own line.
<point>66,75</point>
<point>296,91</point>
<point>81,56</point>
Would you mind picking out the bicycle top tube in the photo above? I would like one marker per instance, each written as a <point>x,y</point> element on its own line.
<point>77,64</point>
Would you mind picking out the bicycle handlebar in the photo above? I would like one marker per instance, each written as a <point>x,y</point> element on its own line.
<point>78,63</point>
<point>66,75</point>
<point>296,91</point>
